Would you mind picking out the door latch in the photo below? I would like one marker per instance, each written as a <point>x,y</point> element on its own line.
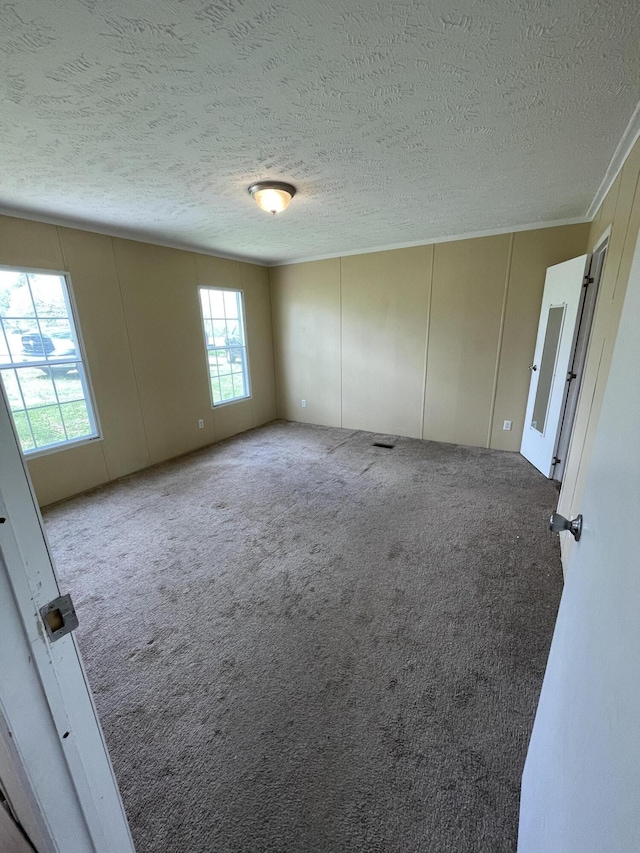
<point>558,523</point>
<point>59,617</point>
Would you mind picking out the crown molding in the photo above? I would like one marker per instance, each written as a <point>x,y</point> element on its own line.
<point>623,149</point>
<point>143,237</point>
<point>124,234</point>
<point>469,235</point>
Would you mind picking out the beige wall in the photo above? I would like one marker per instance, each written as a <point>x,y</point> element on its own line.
<point>469,282</point>
<point>139,315</point>
<point>306,335</point>
<point>385,304</point>
<point>432,341</point>
<point>620,211</point>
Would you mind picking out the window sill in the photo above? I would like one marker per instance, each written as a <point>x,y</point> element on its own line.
<point>56,448</point>
<point>231,402</point>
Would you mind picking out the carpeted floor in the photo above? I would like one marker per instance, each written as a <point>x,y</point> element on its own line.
<point>301,643</point>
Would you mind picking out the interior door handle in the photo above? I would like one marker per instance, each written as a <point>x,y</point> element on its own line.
<point>558,523</point>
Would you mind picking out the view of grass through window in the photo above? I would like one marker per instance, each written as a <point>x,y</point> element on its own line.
<point>40,361</point>
<point>225,341</point>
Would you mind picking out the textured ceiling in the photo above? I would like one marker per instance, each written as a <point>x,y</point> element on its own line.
<point>398,122</point>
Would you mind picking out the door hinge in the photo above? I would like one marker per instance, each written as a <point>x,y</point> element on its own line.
<point>59,617</point>
<point>571,376</point>
<point>556,460</point>
<point>587,281</point>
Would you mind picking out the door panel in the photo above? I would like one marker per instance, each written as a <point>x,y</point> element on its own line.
<point>582,774</point>
<point>554,346</point>
<point>68,794</point>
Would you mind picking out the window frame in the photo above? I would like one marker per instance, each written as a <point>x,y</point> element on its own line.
<point>90,399</point>
<point>243,319</point>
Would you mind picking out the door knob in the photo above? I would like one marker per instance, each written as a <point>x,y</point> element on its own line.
<point>558,523</point>
<point>533,367</point>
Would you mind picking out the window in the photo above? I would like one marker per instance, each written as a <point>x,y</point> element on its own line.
<point>225,342</point>
<point>41,362</point>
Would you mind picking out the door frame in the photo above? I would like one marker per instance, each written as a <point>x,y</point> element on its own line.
<point>54,763</point>
<point>578,360</point>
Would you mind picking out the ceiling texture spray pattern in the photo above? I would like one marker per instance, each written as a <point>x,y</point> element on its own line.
<point>398,122</point>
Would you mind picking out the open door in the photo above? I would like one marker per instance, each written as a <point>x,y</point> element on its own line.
<point>582,775</point>
<point>563,293</point>
<point>55,772</point>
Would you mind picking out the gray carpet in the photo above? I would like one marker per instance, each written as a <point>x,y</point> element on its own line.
<point>301,643</point>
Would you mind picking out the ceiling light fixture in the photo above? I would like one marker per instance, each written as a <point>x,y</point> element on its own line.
<point>272,196</point>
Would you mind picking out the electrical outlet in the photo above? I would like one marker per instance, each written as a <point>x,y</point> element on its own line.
<point>506,425</point>
<point>200,424</point>
<point>304,404</point>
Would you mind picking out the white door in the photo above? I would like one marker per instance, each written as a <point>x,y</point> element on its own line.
<point>554,346</point>
<point>581,784</point>
<point>54,766</point>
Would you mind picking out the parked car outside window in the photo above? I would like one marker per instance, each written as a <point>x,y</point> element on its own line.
<point>234,341</point>
<point>37,346</point>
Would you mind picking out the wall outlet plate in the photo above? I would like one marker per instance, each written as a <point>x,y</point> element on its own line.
<point>304,404</point>
<point>200,424</point>
<point>506,425</point>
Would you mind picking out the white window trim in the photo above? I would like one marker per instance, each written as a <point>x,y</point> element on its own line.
<point>248,396</point>
<point>62,445</point>
<point>91,397</point>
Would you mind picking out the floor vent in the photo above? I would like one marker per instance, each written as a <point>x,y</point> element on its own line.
<point>384,444</point>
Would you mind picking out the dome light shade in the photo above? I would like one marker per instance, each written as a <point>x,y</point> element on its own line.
<point>272,196</point>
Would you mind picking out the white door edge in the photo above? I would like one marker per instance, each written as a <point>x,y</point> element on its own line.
<point>77,795</point>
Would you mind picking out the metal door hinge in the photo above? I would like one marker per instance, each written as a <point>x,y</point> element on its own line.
<point>587,281</point>
<point>556,461</point>
<point>59,617</point>
<point>571,376</point>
